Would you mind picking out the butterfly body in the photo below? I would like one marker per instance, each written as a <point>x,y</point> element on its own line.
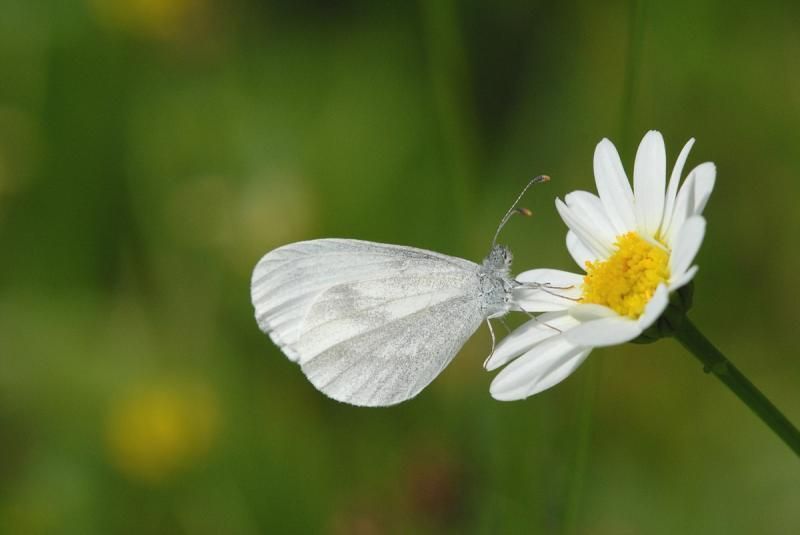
<point>496,282</point>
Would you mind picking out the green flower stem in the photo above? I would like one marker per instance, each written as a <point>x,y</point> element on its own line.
<point>716,363</point>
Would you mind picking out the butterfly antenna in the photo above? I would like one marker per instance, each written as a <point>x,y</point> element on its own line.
<point>514,210</point>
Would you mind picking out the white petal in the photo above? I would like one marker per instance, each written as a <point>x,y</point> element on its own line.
<point>613,187</point>
<point>540,368</point>
<point>536,301</point>
<point>705,176</point>
<point>604,332</point>
<point>528,335</point>
<point>649,179</point>
<point>687,243</point>
<point>682,280</point>
<point>580,253</point>
<point>596,245</point>
<point>655,307</point>
<point>674,182</point>
<point>588,208</point>
<point>584,312</point>
<point>684,208</point>
<point>546,290</point>
<point>553,277</point>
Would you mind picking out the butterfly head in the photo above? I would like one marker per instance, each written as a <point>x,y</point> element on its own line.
<point>498,261</point>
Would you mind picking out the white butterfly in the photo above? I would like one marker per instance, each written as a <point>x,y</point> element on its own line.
<point>373,324</point>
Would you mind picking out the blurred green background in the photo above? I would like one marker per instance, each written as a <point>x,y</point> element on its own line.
<point>152,150</point>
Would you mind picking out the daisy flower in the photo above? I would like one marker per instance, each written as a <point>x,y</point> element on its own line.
<point>636,247</point>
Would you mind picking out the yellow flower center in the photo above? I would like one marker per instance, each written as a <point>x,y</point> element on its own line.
<point>626,281</point>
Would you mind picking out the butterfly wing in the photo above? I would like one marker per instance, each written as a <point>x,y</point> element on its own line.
<point>370,324</point>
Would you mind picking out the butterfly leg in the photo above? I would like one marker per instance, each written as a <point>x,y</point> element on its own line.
<point>536,319</point>
<point>491,332</point>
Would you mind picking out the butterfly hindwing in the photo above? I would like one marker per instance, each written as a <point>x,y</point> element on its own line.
<point>377,351</point>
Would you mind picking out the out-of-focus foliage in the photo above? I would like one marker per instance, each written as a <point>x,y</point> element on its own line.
<point>152,150</point>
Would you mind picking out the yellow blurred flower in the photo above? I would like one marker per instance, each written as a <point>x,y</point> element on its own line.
<point>155,18</point>
<point>162,429</point>
<point>236,222</point>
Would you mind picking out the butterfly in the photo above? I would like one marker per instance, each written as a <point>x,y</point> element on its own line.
<point>372,324</point>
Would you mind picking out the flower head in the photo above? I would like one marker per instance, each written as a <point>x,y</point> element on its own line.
<point>635,245</point>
